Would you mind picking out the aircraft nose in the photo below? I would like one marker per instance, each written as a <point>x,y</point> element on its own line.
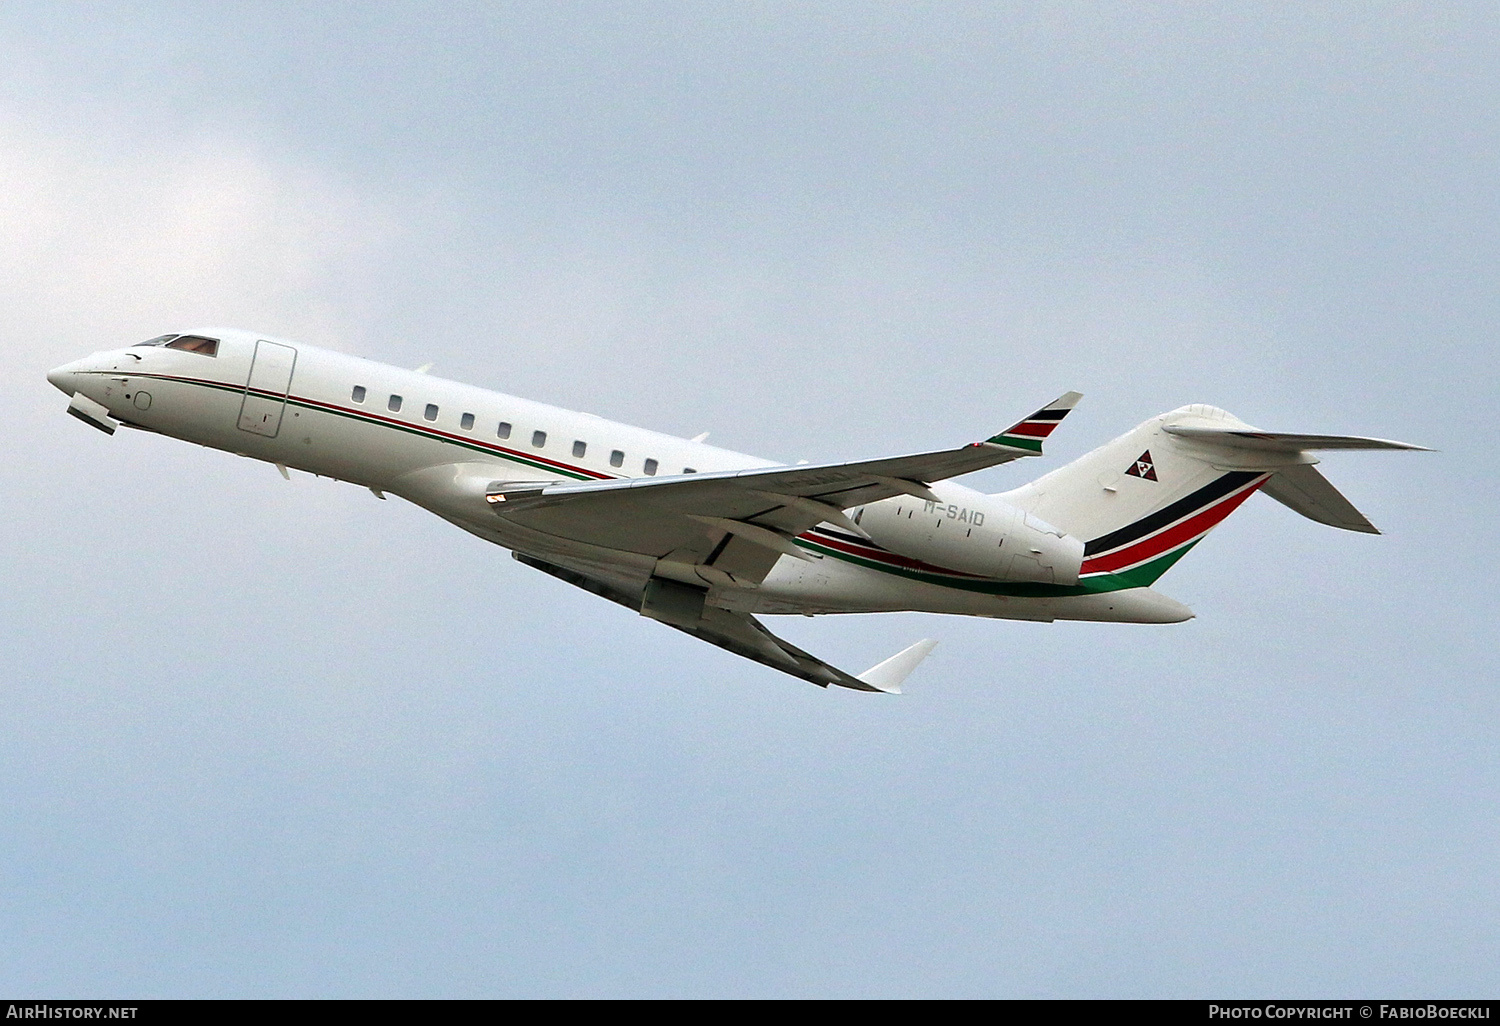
<point>65,378</point>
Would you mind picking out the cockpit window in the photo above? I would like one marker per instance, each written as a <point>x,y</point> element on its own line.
<point>195,344</point>
<point>159,340</point>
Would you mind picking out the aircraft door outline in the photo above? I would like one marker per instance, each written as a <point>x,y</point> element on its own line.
<point>266,388</point>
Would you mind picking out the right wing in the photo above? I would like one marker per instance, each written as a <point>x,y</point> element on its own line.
<point>683,608</point>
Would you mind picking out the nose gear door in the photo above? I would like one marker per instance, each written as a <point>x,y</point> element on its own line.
<point>265,391</point>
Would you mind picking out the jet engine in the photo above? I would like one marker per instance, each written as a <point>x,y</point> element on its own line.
<point>976,533</point>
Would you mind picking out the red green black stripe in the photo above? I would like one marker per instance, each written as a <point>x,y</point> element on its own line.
<point>1186,531</point>
<point>1165,516</point>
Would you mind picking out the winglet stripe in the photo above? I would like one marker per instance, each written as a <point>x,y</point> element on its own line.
<point>1028,433</point>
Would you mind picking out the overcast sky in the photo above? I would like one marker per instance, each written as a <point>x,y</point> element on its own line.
<point>272,739</point>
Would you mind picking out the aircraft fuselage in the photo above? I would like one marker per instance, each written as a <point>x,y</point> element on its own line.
<point>441,444</point>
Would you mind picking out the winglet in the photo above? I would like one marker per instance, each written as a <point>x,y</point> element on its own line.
<point>887,676</point>
<point>1029,433</point>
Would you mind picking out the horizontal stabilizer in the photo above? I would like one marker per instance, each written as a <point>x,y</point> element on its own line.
<point>1272,441</point>
<point>1296,485</point>
<point>887,676</point>
<point>1304,489</point>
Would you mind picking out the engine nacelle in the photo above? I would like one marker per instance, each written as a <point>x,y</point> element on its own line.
<point>975,533</point>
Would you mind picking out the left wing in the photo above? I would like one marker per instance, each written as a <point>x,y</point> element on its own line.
<point>683,607</point>
<point>661,545</point>
<point>737,523</point>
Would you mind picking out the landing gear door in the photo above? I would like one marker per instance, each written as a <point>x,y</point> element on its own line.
<point>265,391</point>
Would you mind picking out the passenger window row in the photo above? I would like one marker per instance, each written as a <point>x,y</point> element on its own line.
<point>538,438</point>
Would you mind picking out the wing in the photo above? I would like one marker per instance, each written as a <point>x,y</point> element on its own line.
<point>663,545</point>
<point>739,633</point>
<point>731,527</point>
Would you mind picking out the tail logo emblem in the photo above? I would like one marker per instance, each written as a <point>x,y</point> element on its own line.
<point>1143,467</point>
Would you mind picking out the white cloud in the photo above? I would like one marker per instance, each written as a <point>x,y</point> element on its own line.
<point>99,246</point>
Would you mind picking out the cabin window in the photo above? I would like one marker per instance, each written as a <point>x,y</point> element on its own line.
<point>539,439</point>
<point>431,412</point>
<point>358,395</point>
<point>579,448</point>
<point>617,458</point>
<point>195,344</point>
<point>394,405</point>
<point>466,422</point>
<point>650,468</point>
<point>503,431</point>
<point>688,470</point>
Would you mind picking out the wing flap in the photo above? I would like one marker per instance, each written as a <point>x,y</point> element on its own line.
<point>616,588</point>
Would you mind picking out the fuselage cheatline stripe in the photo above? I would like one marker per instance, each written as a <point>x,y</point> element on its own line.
<point>537,462</point>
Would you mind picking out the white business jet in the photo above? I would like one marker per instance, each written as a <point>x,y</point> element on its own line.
<point>704,539</point>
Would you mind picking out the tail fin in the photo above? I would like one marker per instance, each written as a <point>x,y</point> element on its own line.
<point>1142,501</point>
